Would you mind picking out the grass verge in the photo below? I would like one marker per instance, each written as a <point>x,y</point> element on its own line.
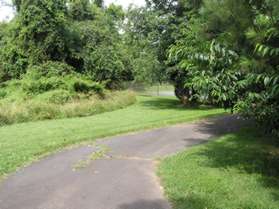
<point>23,143</point>
<point>238,171</point>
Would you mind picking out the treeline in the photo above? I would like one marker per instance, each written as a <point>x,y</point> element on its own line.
<point>221,52</point>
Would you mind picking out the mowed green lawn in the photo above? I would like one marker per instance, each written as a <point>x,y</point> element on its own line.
<point>238,171</point>
<point>23,143</point>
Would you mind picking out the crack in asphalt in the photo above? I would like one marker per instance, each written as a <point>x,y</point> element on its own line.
<point>115,173</point>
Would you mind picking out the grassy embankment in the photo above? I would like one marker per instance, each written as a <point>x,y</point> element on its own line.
<point>19,111</point>
<point>237,171</point>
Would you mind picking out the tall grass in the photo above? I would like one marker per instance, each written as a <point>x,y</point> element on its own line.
<point>33,110</point>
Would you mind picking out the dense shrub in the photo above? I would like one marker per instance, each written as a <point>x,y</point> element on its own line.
<point>49,69</point>
<point>56,96</point>
<point>52,76</point>
<point>42,85</point>
<point>85,86</point>
<point>3,94</point>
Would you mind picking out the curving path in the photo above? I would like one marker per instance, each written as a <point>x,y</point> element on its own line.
<point>115,173</point>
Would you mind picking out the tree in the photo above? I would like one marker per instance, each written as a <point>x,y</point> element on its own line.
<point>234,59</point>
<point>80,10</point>
<point>99,3</point>
<point>17,4</point>
<point>41,30</point>
<point>142,35</point>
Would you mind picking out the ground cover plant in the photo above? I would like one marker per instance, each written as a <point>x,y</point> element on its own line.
<point>23,143</point>
<point>235,171</point>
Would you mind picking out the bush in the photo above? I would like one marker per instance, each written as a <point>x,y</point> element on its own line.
<point>49,69</point>
<point>3,94</point>
<point>106,64</point>
<point>56,97</point>
<point>52,76</point>
<point>85,86</point>
<point>46,77</point>
<point>35,87</point>
<point>266,114</point>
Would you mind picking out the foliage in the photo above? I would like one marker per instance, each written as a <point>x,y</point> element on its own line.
<point>99,3</point>
<point>143,31</point>
<point>80,33</point>
<point>40,31</point>
<point>227,55</point>
<point>215,52</point>
<point>52,75</point>
<point>97,48</point>
<point>207,74</point>
<point>56,97</point>
<point>48,91</point>
<point>80,10</point>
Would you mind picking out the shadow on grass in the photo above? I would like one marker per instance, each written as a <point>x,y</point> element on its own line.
<point>194,202</point>
<point>226,124</point>
<point>247,150</point>
<point>171,103</point>
<point>238,153</point>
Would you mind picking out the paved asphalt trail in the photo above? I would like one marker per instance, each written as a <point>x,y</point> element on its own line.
<point>120,176</point>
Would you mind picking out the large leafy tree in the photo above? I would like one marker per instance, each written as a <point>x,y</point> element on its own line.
<point>228,53</point>
<point>99,3</point>
<point>97,46</point>
<point>37,34</point>
<point>17,4</point>
<point>80,9</point>
<point>41,30</point>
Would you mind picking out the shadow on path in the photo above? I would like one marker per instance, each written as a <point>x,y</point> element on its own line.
<point>145,204</point>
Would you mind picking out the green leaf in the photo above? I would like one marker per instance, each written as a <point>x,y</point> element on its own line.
<point>266,81</point>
